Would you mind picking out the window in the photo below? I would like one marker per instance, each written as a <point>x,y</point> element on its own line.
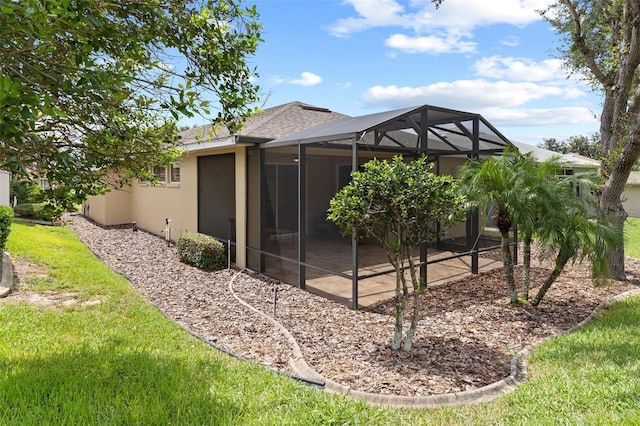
<point>160,172</point>
<point>175,173</point>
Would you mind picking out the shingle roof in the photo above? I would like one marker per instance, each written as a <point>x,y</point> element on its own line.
<point>542,154</point>
<point>268,124</point>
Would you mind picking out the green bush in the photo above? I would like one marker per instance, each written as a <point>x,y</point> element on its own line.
<point>6,218</point>
<point>23,191</point>
<point>39,211</point>
<point>201,251</point>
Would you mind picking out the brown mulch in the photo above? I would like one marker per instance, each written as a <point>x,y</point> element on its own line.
<point>466,337</point>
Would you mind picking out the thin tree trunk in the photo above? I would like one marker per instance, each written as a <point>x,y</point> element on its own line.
<point>401,303</point>
<point>561,260</point>
<point>526,268</point>
<point>408,341</point>
<point>507,261</point>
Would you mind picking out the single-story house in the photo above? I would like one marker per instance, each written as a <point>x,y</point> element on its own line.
<point>265,191</point>
<point>5,182</point>
<point>631,195</point>
<point>577,163</point>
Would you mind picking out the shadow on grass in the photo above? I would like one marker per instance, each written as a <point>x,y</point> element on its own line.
<point>98,385</point>
<point>613,339</point>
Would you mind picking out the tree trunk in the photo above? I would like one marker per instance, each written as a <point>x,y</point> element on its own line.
<point>507,261</point>
<point>401,304</point>
<point>408,341</point>
<point>526,268</point>
<point>613,136</point>
<point>561,260</point>
<point>611,205</point>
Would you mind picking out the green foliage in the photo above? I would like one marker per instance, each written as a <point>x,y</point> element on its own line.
<point>201,251</point>
<point>495,186</point>
<point>92,89</point>
<point>398,204</point>
<point>24,191</point>
<point>600,41</point>
<point>588,146</point>
<point>545,206</point>
<point>38,211</point>
<point>6,218</point>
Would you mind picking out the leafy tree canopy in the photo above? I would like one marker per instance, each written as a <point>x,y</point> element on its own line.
<point>601,40</point>
<point>88,86</point>
<point>589,146</point>
<point>398,203</point>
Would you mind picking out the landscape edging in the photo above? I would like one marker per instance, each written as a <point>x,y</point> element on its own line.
<point>518,366</point>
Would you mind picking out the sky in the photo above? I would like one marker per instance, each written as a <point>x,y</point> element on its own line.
<point>498,58</point>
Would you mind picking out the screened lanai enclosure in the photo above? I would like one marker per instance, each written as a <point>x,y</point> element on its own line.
<point>292,179</point>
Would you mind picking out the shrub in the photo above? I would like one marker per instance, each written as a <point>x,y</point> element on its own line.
<point>201,251</point>
<point>23,191</point>
<point>40,211</point>
<point>6,218</point>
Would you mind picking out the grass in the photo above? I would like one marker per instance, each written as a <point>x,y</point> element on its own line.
<point>632,237</point>
<point>122,362</point>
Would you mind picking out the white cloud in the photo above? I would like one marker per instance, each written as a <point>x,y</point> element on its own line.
<point>306,79</point>
<point>371,13</point>
<point>521,69</point>
<point>469,95</point>
<point>469,14</point>
<point>522,117</point>
<point>511,41</point>
<point>430,44</point>
<point>453,15</point>
<point>503,103</point>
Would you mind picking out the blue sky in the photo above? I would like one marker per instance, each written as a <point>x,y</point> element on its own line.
<point>497,58</point>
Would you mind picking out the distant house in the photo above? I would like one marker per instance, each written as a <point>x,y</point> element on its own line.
<point>575,162</point>
<point>631,195</point>
<point>266,190</point>
<point>5,180</point>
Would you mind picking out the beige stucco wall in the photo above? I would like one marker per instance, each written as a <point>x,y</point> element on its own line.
<point>151,205</point>
<point>5,179</point>
<point>631,200</point>
<point>112,208</point>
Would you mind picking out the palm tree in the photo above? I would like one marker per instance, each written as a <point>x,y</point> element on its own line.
<point>495,184</point>
<point>545,206</point>
<point>573,233</point>
<point>542,195</point>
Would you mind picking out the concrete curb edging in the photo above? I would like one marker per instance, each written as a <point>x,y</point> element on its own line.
<point>6,283</point>
<point>518,366</point>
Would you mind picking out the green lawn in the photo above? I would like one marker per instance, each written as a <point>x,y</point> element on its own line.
<point>632,237</point>
<point>121,361</point>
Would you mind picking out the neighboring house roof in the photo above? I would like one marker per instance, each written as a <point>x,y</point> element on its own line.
<point>266,125</point>
<point>542,154</point>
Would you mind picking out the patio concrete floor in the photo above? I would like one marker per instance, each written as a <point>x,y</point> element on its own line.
<point>336,256</point>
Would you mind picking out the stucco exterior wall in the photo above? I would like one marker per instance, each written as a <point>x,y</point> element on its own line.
<point>5,179</point>
<point>151,205</point>
<point>631,200</point>
<point>112,208</point>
